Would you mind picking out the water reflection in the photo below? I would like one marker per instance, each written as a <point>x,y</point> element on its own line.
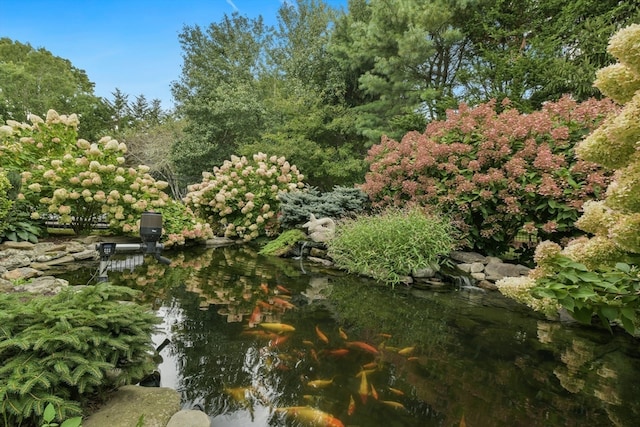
<point>365,355</point>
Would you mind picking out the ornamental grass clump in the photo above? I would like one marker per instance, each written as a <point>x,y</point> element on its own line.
<point>497,174</point>
<point>391,245</point>
<point>241,197</point>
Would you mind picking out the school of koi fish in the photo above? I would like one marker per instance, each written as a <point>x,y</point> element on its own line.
<point>323,347</point>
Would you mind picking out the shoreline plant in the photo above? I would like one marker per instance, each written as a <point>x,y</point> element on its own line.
<point>69,349</point>
<point>297,206</point>
<point>496,174</point>
<point>392,244</point>
<point>80,183</point>
<point>241,197</point>
<point>597,274</point>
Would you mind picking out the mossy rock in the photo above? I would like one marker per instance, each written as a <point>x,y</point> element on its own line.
<point>284,243</point>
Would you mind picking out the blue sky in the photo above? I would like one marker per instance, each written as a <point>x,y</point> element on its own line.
<point>130,45</point>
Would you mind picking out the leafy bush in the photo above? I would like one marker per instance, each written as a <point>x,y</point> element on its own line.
<point>612,295</point>
<point>79,182</point>
<point>5,202</point>
<point>60,350</point>
<point>496,174</point>
<point>297,206</point>
<point>390,245</point>
<point>240,198</point>
<point>598,275</point>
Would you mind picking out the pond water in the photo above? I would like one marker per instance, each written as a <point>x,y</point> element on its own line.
<point>263,341</point>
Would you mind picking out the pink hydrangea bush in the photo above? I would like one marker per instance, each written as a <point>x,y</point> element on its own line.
<point>495,174</point>
<point>240,198</point>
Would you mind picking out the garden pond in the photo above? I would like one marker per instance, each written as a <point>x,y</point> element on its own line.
<point>266,341</point>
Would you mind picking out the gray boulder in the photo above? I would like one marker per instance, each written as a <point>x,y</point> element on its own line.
<point>129,403</point>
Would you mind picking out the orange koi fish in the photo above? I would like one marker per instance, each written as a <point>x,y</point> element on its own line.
<point>374,393</point>
<point>320,383</point>
<point>314,355</point>
<point>311,416</point>
<point>308,343</point>
<point>363,391</point>
<point>370,365</point>
<point>393,404</point>
<point>265,305</point>
<point>343,335</point>
<point>365,372</point>
<point>406,351</point>
<point>277,327</point>
<point>362,346</point>
<point>352,405</point>
<point>283,289</point>
<point>264,288</point>
<point>280,339</point>
<point>321,335</point>
<point>255,315</point>
<point>283,303</point>
<point>463,423</point>
<point>396,391</point>
<point>384,335</point>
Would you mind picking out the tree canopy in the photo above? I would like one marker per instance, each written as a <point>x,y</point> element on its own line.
<point>324,85</point>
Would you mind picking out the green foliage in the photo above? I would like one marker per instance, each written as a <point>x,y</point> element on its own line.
<point>5,202</point>
<point>33,81</point>
<point>392,244</point>
<point>68,348</point>
<point>20,227</point>
<point>218,93</point>
<point>613,295</point>
<point>496,174</point>
<point>49,416</point>
<point>283,243</point>
<point>297,206</point>
<point>240,198</point>
<point>15,221</point>
<point>79,182</point>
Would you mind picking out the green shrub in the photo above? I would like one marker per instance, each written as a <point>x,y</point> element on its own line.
<point>612,295</point>
<point>240,198</point>
<point>497,174</point>
<point>391,245</point>
<point>59,350</point>
<point>297,206</point>
<point>5,202</point>
<point>79,182</point>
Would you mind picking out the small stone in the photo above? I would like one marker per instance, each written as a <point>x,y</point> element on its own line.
<point>22,273</point>
<point>485,284</point>
<point>62,260</point>
<point>45,285</point>
<point>465,267</point>
<point>17,245</point>
<point>478,276</point>
<point>84,255</point>
<point>467,257</point>
<point>476,267</point>
<point>130,402</point>
<point>189,417</point>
